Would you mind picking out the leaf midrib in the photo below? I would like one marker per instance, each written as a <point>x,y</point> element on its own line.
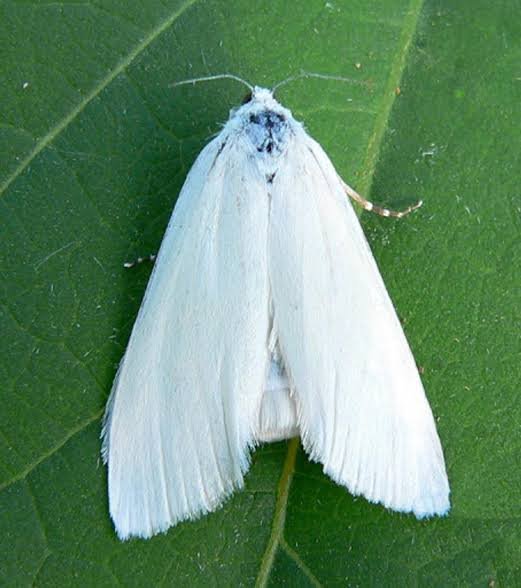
<point>279,518</point>
<point>119,68</point>
<point>277,538</point>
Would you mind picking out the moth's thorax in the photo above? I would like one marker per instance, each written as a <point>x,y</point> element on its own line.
<point>265,124</point>
<point>267,130</point>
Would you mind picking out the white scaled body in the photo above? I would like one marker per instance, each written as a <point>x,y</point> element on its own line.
<point>265,317</point>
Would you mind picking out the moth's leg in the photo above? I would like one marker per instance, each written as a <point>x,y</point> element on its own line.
<point>139,260</point>
<point>378,209</point>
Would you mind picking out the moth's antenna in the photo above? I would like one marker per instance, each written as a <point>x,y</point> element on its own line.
<point>194,81</point>
<point>310,74</point>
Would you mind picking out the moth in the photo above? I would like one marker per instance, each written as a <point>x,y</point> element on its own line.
<point>265,317</point>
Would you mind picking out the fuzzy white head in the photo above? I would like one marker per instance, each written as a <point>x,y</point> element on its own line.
<point>266,124</point>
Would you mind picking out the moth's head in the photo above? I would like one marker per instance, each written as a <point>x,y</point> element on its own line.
<point>263,120</point>
<point>260,101</point>
<point>262,98</point>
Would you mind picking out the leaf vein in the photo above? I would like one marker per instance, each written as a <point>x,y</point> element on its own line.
<point>25,472</point>
<point>389,96</point>
<point>49,137</point>
<point>279,518</point>
<point>291,553</point>
<point>37,513</point>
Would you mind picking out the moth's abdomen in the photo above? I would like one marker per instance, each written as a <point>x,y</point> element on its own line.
<point>267,130</point>
<point>277,417</point>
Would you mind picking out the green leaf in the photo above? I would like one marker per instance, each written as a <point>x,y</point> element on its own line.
<point>94,146</point>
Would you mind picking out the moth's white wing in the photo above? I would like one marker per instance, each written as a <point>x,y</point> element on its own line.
<point>178,425</point>
<point>361,406</point>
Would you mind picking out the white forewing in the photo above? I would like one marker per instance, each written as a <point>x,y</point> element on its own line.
<point>179,423</point>
<point>361,406</point>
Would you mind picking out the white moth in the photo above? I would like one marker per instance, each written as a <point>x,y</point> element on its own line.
<point>265,318</point>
